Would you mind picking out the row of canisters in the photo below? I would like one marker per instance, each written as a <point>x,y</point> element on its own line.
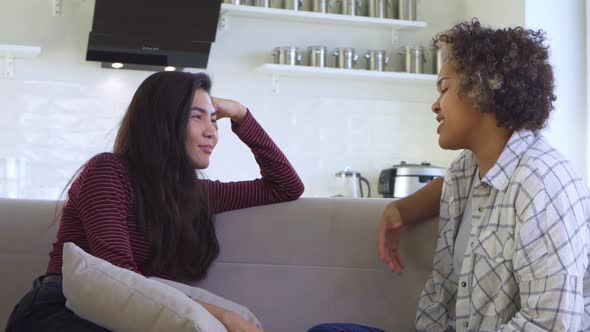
<point>410,59</point>
<point>389,9</point>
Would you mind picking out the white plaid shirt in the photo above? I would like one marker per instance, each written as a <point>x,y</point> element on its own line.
<point>526,264</point>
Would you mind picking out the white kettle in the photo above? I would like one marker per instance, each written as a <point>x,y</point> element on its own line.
<point>351,184</point>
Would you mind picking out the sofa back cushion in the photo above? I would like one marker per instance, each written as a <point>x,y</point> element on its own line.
<point>293,264</point>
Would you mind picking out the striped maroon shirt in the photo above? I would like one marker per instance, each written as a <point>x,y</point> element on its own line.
<point>100,215</point>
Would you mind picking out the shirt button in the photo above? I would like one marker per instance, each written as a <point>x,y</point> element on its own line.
<point>463,284</point>
<point>465,324</point>
<point>472,244</point>
<point>480,209</point>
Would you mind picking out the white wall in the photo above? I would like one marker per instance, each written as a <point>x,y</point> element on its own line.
<point>60,110</point>
<point>565,25</point>
<point>496,13</point>
<point>587,11</point>
<point>565,22</point>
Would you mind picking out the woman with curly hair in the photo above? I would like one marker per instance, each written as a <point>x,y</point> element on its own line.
<point>513,244</point>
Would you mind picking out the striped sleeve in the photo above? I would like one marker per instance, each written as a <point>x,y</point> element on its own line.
<point>278,183</point>
<point>103,203</point>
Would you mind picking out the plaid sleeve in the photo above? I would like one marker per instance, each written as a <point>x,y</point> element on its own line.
<point>550,257</point>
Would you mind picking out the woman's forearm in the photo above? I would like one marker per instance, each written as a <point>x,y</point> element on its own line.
<point>421,205</point>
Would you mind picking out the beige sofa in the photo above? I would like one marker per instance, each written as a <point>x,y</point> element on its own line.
<point>293,264</point>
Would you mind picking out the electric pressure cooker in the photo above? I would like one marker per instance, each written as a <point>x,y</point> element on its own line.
<point>404,179</point>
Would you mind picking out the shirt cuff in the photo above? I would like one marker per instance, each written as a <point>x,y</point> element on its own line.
<point>246,123</point>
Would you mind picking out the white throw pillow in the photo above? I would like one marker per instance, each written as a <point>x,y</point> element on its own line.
<point>124,301</point>
<point>206,296</point>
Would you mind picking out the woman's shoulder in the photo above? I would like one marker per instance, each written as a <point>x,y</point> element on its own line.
<point>105,160</point>
<point>105,165</point>
<point>105,156</point>
<point>545,167</point>
<point>463,164</point>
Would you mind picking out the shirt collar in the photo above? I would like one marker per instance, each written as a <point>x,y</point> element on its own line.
<point>500,174</point>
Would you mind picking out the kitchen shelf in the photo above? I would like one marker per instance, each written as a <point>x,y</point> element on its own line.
<point>313,17</point>
<point>19,51</point>
<point>8,53</point>
<point>337,73</point>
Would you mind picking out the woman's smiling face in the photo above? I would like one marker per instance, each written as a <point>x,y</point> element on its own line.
<point>202,130</point>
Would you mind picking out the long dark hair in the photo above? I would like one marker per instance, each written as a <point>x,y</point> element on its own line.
<point>172,206</point>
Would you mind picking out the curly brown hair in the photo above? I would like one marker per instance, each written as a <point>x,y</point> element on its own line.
<point>504,71</point>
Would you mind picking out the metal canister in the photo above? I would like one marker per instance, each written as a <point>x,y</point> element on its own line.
<point>438,57</point>
<point>317,56</point>
<point>392,11</point>
<point>293,4</point>
<point>287,55</point>
<point>262,3</point>
<point>414,59</point>
<point>320,6</point>
<point>377,60</point>
<point>351,7</point>
<point>379,8</point>
<point>345,57</point>
<point>407,9</point>
<point>277,4</point>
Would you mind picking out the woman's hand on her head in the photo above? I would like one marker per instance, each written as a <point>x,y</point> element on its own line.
<point>227,108</point>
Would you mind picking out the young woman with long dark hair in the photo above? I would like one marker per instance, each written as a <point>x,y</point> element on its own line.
<point>144,208</point>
